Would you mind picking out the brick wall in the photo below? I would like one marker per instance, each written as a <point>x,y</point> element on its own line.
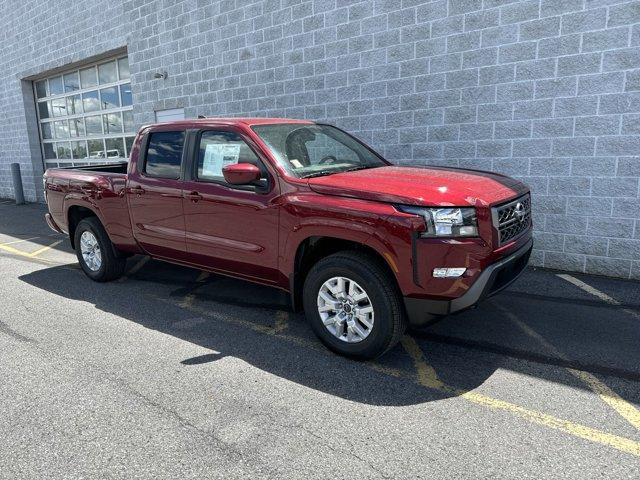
<point>544,90</point>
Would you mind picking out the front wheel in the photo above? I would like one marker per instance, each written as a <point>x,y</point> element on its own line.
<point>354,305</point>
<point>96,253</point>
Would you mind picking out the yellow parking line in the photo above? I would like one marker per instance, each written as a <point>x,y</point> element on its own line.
<point>187,300</point>
<point>15,251</point>
<point>19,241</point>
<point>134,269</point>
<point>45,248</point>
<point>572,428</point>
<point>575,429</point>
<point>202,277</point>
<point>427,377</point>
<point>426,373</point>
<point>608,396</point>
<point>138,265</point>
<point>282,321</point>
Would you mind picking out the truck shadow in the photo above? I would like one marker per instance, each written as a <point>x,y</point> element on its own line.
<point>251,322</point>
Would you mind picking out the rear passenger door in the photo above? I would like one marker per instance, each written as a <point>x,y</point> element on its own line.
<point>231,228</point>
<point>154,193</point>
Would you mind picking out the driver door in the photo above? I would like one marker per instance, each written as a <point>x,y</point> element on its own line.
<point>230,228</point>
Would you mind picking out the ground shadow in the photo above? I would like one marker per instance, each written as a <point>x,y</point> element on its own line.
<point>235,318</point>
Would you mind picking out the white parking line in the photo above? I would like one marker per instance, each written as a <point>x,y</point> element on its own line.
<point>596,293</point>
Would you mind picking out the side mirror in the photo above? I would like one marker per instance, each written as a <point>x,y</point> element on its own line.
<point>241,173</point>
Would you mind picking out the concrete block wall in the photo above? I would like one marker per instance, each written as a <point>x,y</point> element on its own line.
<point>544,90</point>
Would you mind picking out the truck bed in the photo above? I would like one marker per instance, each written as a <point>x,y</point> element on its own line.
<point>115,167</point>
<point>100,188</point>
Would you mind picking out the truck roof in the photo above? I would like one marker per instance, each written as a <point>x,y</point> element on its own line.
<point>249,121</point>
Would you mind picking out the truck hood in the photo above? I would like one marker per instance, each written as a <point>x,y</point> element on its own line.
<point>428,186</point>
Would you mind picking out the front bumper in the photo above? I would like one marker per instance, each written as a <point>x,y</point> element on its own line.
<point>494,278</point>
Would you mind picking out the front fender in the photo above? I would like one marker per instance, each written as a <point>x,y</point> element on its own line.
<point>314,215</point>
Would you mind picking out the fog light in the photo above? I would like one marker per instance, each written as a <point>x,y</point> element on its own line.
<point>448,272</point>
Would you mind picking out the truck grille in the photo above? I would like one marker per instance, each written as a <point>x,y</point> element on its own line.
<point>512,219</point>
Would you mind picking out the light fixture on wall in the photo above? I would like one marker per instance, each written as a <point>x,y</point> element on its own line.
<point>163,75</point>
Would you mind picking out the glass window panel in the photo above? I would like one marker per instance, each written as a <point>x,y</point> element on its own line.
<point>164,154</point>
<point>128,121</point>
<point>115,147</point>
<point>59,107</point>
<point>71,82</point>
<point>44,109</point>
<point>107,73</point>
<point>129,142</point>
<point>63,150</point>
<point>41,88</point>
<point>109,97</point>
<point>79,149</point>
<point>91,101</point>
<point>112,123</point>
<point>125,94</point>
<point>88,77</point>
<point>123,67</point>
<point>96,148</point>
<point>49,151</point>
<point>62,129</point>
<point>76,127</point>
<point>46,130</point>
<point>228,147</point>
<point>55,85</point>
<point>74,104</point>
<point>94,125</point>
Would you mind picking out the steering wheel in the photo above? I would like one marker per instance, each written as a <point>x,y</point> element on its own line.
<point>327,159</point>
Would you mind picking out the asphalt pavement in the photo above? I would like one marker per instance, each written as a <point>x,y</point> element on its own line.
<point>171,372</point>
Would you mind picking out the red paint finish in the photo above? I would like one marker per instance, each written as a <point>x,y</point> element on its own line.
<point>254,233</point>
<point>241,173</point>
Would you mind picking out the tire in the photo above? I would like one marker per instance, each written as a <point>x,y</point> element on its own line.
<point>110,265</point>
<point>389,320</point>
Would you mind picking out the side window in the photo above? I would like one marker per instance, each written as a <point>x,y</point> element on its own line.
<point>164,154</point>
<point>219,149</point>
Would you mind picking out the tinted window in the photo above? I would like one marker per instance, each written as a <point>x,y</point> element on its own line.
<point>219,149</point>
<point>164,154</point>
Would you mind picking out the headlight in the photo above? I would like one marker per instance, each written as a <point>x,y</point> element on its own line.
<point>446,222</point>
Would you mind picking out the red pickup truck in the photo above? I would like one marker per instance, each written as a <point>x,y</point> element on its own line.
<point>364,246</point>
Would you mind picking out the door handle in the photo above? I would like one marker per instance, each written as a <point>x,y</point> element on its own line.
<point>137,190</point>
<point>193,196</point>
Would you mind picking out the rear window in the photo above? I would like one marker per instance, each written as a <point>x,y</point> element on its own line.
<point>164,154</point>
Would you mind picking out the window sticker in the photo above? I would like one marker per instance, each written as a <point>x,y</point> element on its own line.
<point>217,156</point>
<point>296,163</point>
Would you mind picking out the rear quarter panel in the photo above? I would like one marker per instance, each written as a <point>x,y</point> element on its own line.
<point>103,193</point>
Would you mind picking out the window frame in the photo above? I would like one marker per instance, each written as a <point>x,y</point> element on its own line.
<point>121,80</point>
<point>192,173</point>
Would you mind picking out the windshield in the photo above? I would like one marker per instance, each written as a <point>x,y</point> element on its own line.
<point>308,150</point>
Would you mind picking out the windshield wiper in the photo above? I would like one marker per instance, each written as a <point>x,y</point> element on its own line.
<point>322,173</point>
<point>360,167</point>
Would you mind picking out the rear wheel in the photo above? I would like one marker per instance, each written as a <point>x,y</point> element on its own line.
<point>353,305</point>
<point>96,253</point>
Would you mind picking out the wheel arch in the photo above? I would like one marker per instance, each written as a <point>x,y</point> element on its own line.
<point>313,248</point>
<point>75,214</point>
